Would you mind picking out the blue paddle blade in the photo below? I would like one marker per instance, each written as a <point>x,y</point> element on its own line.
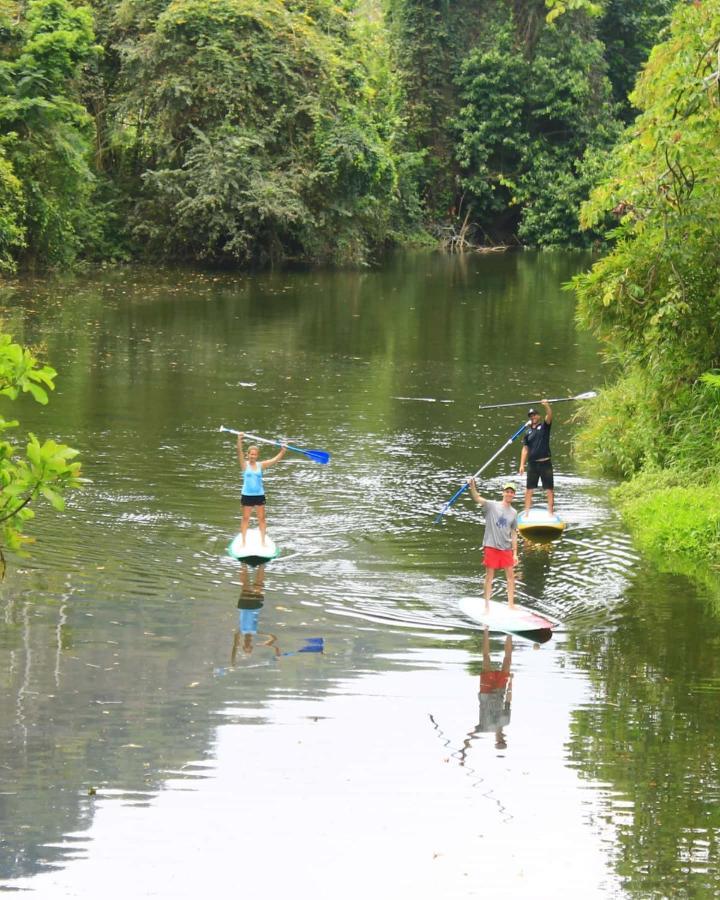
<point>311,645</point>
<point>438,517</point>
<point>318,456</point>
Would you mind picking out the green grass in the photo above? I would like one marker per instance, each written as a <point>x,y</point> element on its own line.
<point>674,514</point>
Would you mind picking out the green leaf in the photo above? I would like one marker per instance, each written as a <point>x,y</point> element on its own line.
<point>54,497</point>
<point>38,393</point>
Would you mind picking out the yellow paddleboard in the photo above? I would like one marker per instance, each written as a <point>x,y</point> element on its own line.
<point>540,523</point>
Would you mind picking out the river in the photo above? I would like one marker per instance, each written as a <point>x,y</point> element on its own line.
<point>146,752</point>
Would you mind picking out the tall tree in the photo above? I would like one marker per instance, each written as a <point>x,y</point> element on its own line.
<point>535,102</point>
<point>47,133</point>
<point>255,126</point>
<point>655,299</point>
<point>629,29</point>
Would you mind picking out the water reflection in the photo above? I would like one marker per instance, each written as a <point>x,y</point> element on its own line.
<point>536,567</point>
<point>247,636</point>
<point>252,597</point>
<point>494,696</point>
<point>112,632</point>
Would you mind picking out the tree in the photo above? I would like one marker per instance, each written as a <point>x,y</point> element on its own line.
<point>45,150</point>
<point>42,471</point>
<point>655,299</point>
<point>257,132</point>
<point>12,233</point>
<point>629,29</point>
<point>535,102</point>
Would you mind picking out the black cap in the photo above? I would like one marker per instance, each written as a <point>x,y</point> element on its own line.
<point>532,412</point>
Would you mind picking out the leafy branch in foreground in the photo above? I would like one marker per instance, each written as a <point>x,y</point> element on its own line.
<point>42,470</point>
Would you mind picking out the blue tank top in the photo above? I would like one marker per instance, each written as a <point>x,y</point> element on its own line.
<point>253,481</point>
<point>248,620</point>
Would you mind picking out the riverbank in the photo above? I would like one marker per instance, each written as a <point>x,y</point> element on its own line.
<point>662,446</point>
<point>674,518</point>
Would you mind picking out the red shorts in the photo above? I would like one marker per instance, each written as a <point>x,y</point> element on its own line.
<point>497,559</point>
<point>493,681</point>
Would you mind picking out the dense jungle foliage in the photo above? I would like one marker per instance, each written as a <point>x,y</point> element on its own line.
<point>655,299</point>
<point>249,132</point>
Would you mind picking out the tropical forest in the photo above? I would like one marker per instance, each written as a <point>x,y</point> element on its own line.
<point>276,278</point>
<point>257,133</point>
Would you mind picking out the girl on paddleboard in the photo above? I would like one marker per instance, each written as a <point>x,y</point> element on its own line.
<point>253,489</point>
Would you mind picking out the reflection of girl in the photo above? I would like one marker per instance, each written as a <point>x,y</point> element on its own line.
<point>251,601</point>
<point>253,489</point>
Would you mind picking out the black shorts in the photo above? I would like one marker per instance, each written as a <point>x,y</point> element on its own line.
<point>540,471</point>
<point>252,499</point>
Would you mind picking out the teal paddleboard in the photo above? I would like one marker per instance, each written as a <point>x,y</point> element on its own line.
<point>253,551</point>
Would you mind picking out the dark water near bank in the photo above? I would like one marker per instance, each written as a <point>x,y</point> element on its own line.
<point>145,753</point>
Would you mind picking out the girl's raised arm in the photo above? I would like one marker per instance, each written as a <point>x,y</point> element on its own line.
<point>276,458</point>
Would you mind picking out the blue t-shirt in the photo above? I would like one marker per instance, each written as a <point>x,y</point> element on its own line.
<point>253,481</point>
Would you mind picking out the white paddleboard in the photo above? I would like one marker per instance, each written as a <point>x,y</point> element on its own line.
<point>540,523</point>
<point>501,618</point>
<point>253,552</point>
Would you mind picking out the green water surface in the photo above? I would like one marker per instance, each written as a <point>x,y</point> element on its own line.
<point>129,711</point>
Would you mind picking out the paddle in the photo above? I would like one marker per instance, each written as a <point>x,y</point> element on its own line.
<point>481,469</point>
<point>318,456</point>
<point>586,396</point>
<point>311,645</point>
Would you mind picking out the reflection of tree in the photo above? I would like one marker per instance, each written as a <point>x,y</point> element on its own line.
<point>80,711</point>
<point>654,735</point>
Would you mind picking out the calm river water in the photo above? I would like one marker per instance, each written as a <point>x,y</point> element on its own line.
<point>146,752</point>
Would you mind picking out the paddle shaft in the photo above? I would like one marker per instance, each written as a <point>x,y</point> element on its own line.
<point>316,455</point>
<point>480,470</point>
<point>587,396</point>
<point>253,437</point>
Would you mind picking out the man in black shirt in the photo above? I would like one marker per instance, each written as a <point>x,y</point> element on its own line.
<point>536,456</point>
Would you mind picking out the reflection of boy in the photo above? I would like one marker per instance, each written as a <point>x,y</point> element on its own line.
<point>495,695</point>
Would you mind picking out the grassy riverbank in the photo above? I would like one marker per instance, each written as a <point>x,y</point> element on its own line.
<point>666,452</point>
<point>675,521</point>
<point>674,515</point>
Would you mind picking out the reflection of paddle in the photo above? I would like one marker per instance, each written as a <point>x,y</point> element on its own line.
<point>481,469</point>
<point>587,396</point>
<point>312,645</point>
<point>318,456</point>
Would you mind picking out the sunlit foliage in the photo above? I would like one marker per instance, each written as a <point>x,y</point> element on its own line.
<point>39,471</point>
<point>654,300</point>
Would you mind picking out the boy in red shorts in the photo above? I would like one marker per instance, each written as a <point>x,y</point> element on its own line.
<point>500,539</point>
